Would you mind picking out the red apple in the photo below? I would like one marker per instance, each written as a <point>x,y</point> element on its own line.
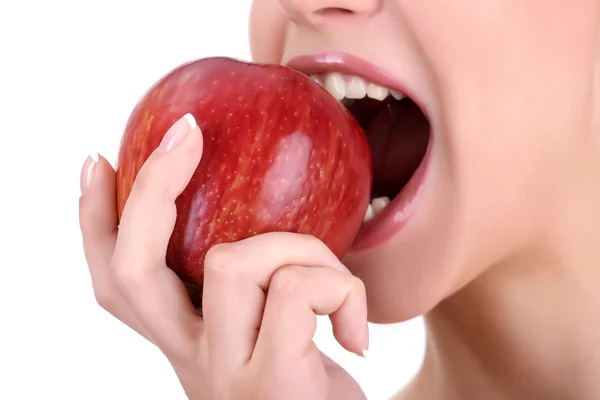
<point>280,154</point>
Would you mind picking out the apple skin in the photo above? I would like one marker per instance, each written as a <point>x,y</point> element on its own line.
<point>280,154</point>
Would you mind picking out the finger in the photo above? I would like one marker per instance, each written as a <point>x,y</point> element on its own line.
<point>296,296</point>
<point>98,220</point>
<point>149,214</point>
<point>98,223</point>
<point>236,276</point>
<point>156,295</point>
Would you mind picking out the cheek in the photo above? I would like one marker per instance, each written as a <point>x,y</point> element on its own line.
<point>511,88</point>
<point>512,97</point>
<point>267,31</point>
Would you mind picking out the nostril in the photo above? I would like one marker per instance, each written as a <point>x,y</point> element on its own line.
<point>331,11</point>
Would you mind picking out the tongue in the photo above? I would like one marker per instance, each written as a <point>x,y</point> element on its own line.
<point>398,136</point>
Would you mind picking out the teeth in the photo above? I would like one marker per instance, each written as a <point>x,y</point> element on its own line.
<point>377,92</point>
<point>336,85</point>
<point>357,88</point>
<point>380,203</point>
<point>346,88</point>
<point>396,94</point>
<point>369,214</point>
<point>376,206</point>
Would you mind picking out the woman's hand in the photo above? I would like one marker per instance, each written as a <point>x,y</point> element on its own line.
<point>260,295</point>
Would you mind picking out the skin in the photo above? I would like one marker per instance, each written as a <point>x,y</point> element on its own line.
<point>500,255</point>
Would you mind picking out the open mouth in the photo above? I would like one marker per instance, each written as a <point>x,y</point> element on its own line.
<point>397,130</point>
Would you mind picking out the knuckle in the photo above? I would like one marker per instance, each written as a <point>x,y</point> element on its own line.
<point>89,218</point>
<point>184,355</point>
<point>125,280</point>
<point>313,241</point>
<point>149,181</point>
<point>145,182</point>
<point>222,262</point>
<point>316,241</point>
<point>84,211</point>
<point>317,246</point>
<point>105,297</point>
<point>358,286</point>
<point>285,282</point>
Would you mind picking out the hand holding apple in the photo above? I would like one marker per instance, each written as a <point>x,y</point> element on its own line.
<point>260,295</point>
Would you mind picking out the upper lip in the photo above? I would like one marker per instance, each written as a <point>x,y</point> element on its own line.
<point>347,64</point>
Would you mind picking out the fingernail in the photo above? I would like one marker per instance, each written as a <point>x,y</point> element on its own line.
<point>87,172</point>
<point>364,354</point>
<point>177,133</point>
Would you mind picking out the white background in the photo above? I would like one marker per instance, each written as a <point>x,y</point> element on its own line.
<point>70,73</point>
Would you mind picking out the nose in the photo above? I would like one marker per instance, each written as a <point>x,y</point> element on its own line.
<point>310,11</point>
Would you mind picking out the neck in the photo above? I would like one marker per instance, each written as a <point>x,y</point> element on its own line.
<point>526,341</point>
<point>526,329</point>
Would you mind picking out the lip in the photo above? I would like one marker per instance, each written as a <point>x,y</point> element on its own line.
<point>378,230</point>
<point>381,228</point>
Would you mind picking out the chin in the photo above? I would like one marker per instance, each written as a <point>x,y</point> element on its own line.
<point>399,290</point>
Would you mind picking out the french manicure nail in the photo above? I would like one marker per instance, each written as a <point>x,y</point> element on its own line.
<point>364,353</point>
<point>87,172</point>
<point>177,133</point>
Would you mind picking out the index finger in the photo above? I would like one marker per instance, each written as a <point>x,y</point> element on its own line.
<point>236,276</point>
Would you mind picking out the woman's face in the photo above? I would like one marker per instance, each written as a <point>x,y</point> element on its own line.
<point>507,89</point>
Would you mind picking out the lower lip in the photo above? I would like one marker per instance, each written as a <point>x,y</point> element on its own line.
<point>378,230</point>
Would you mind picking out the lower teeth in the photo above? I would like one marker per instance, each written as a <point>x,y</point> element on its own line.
<point>369,214</point>
<point>380,203</point>
<point>377,205</point>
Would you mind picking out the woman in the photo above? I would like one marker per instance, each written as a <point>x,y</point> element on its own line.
<point>494,238</point>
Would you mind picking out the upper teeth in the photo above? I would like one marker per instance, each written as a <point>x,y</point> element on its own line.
<point>353,87</point>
